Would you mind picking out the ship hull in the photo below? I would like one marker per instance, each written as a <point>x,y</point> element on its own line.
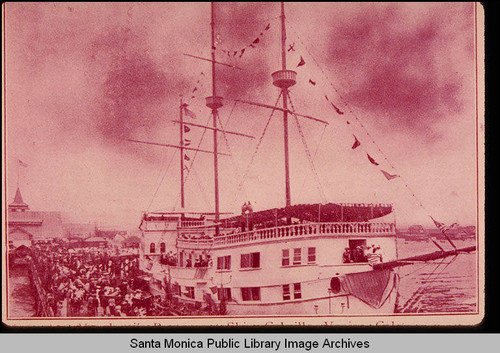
<point>335,305</point>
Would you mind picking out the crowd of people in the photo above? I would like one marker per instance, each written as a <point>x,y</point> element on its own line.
<point>370,254</point>
<point>93,282</point>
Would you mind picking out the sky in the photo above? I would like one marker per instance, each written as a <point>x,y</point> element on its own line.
<point>81,79</point>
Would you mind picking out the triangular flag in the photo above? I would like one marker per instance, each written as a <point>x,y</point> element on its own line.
<point>186,157</point>
<point>312,82</point>
<point>302,62</point>
<point>186,128</point>
<point>372,161</point>
<point>356,143</point>
<point>257,40</point>
<point>267,27</point>
<point>438,225</point>
<point>195,89</point>
<point>337,109</point>
<point>242,51</point>
<point>190,114</point>
<point>389,176</point>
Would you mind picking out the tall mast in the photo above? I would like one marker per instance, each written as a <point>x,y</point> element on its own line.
<point>181,144</point>
<point>285,106</point>
<point>214,102</point>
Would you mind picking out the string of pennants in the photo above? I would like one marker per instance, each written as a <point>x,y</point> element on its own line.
<point>441,226</point>
<point>240,52</point>
<point>356,143</point>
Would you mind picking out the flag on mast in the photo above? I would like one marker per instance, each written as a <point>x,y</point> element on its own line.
<point>372,161</point>
<point>441,226</point>
<point>389,176</point>
<point>356,143</point>
<point>188,112</point>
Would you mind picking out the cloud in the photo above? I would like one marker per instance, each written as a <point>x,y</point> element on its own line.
<point>239,24</point>
<point>403,70</point>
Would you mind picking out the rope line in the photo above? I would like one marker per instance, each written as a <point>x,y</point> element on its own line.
<point>233,161</point>
<point>308,153</point>
<point>193,159</point>
<point>255,152</point>
<point>161,181</point>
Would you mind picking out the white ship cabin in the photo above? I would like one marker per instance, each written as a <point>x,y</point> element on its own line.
<point>276,258</point>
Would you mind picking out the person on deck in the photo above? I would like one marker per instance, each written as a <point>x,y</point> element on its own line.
<point>346,256</point>
<point>374,257</point>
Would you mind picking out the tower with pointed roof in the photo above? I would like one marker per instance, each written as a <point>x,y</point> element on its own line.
<point>18,205</point>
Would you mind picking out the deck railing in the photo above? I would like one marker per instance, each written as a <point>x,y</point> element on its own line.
<point>186,224</point>
<point>298,230</point>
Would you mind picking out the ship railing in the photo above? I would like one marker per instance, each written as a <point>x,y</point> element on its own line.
<point>186,224</point>
<point>297,230</point>
<point>195,243</point>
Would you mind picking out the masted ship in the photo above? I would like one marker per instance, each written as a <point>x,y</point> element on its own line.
<point>309,259</point>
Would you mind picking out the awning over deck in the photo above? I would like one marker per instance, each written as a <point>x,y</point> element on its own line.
<point>330,212</point>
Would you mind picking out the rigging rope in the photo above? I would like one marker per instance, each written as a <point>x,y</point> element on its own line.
<point>233,161</point>
<point>198,181</point>
<point>421,289</point>
<point>304,142</point>
<point>193,159</point>
<point>161,181</point>
<point>255,152</point>
<point>314,156</point>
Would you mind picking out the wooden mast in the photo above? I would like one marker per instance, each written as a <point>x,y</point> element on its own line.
<point>181,144</point>
<point>285,107</point>
<point>214,102</point>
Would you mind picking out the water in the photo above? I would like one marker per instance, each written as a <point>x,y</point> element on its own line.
<point>447,285</point>
<point>21,300</point>
<point>444,285</point>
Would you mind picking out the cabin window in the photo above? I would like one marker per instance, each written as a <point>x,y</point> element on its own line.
<point>190,292</point>
<point>285,259</point>
<point>311,255</point>
<point>152,248</point>
<point>224,262</point>
<point>251,260</point>
<point>296,256</point>
<point>286,292</point>
<point>224,293</point>
<point>162,248</point>
<point>250,293</point>
<point>297,294</point>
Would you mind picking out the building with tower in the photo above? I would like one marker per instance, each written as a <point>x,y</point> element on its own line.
<point>25,226</point>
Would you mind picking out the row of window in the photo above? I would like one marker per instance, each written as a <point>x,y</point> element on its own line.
<point>296,258</point>
<point>247,293</point>
<point>252,260</point>
<point>152,248</point>
<point>297,292</point>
